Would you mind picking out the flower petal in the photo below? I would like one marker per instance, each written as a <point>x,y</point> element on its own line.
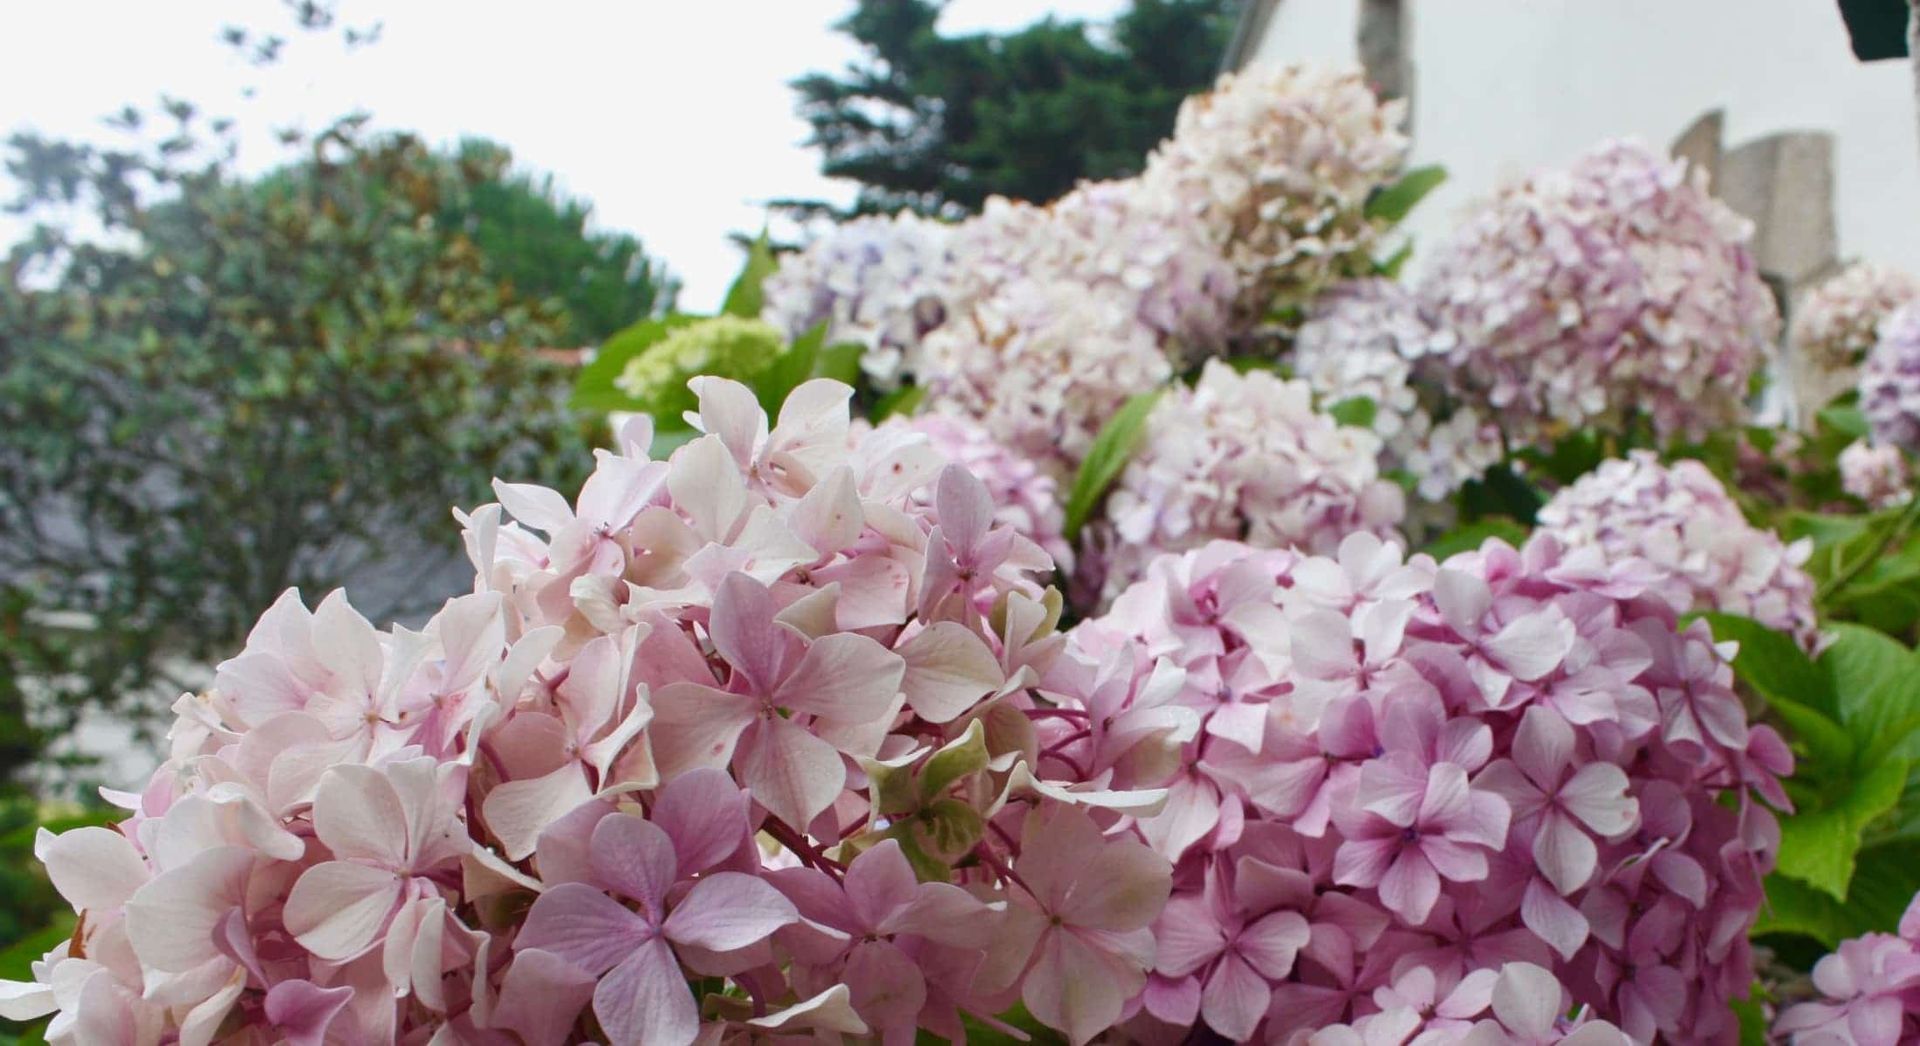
<point>645,1001</point>
<point>792,773</point>
<point>729,910</point>
<point>584,927</point>
<point>338,910</point>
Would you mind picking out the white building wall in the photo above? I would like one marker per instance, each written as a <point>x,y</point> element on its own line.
<point>1504,86</point>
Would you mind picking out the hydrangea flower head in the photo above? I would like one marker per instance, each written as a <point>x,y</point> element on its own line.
<point>1875,473</point>
<point>1275,165</point>
<point>1680,519</point>
<point>1836,322</point>
<point>1243,457</point>
<point>881,282</point>
<point>1890,380</point>
<point>1617,285</point>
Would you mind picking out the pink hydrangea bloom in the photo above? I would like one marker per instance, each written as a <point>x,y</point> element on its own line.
<point>1870,991</point>
<point>1025,498</point>
<point>1875,473</point>
<point>1612,287</point>
<point>1239,456</point>
<point>1275,165</point>
<point>1680,519</point>
<point>1835,324</point>
<point>1512,756</point>
<point>763,716</point>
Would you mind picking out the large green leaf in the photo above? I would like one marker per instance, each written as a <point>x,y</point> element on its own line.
<point>902,401</point>
<point>1117,441</point>
<point>1818,847</point>
<point>788,370</point>
<point>1875,681</point>
<point>1396,201</point>
<point>744,297</point>
<point>1885,880</point>
<point>1357,411</point>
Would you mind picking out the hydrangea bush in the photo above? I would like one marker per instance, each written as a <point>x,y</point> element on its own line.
<point>1835,324</point>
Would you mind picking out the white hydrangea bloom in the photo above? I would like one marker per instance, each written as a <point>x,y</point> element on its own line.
<point>1679,518</point>
<point>877,281</point>
<point>1244,457</point>
<point>1835,323</point>
<point>1042,366</point>
<point>1372,338</point>
<point>1875,473</point>
<point>1275,165</point>
<point>1586,294</point>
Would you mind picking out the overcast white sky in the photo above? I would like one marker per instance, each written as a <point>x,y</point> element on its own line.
<point>672,117</point>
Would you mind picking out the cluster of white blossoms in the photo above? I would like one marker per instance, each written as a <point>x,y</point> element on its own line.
<point>1110,236</point>
<point>1890,380</point>
<point>1042,366</point>
<point>1680,519</point>
<point>1586,295</point>
<point>1875,473</point>
<point>880,282</point>
<point>1243,457</point>
<point>1836,322</point>
<point>1276,165</point>
<point>1372,339</point>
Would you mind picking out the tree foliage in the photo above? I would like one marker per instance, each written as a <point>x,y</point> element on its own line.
<point>231,387</point>
<point>938,123</point>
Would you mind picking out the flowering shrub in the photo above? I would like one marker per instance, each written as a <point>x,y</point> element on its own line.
<point>1275,166</point>
<point>1890,381</point>
<point>727,746</point>
<point>881,283</point>
<point>1680,519</point>
<point>1372,339</point>
<point>1405,775</point>
<point>1614,287</point>
<point>1241,456</point>
<point>1835,324</point>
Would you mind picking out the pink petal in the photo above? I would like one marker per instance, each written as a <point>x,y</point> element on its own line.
<point>1454,860</point>
<point>1076,989</point>
<point>1191,811</point>
<point>947,914</point>
<point>1271,943</point>
<point>1395,788</point>
<point>696,726</point>
<point>964,508</point>
<point>583,926</point>
<point>1532,646</point>
<point>948,671</point>
<point>1543,747</point>
<point>173,920</point>
<point>518,811</point>
<point>1175,1002</point>
<point>1528,1000</point>
<point>1186,937</point>
<point>727,911</point>
<point>1597,794</point>
<point>634,857</point>
<point>792,773</point>
<point>886,984</point>
<point>705,815</point>
<point>1235,999</point>
<point>95,869</point>
<point>1410,887</point>
<point>843,676</point>
<point>1565,854</point>
<point>829,517</point>
<point>1553,920</point>
<point>1121,887</point>
<point>1445,801</point>
<point>645,1001</point>
<point>301,1011</point>
<point>541,997</point>
<point>357,813</point>
<point>743,631</point>
<point>880,882</point>
<point>338,910</point>
<point>1364,862</point>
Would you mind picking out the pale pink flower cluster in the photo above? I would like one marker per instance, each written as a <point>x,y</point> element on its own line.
<point>1614,287</point>
<point>880,282</point>
<point>1519,1004</point>
<point>737,746</point>
<point>1834,325</point>
<point>1275,166</point>
<point>1875,473</point>
<point>1240,456</point>
<point>1890,381</point>
<point>1870,988</point>
<point>1115,238</point>
<point>1372,339</point>
<point>1388,774</point>
<point>1679,518</point>
<point>1025,499</point>
<point>1042,365</point>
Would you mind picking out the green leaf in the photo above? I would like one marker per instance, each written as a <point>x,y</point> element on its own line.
<point>1470,536</point>
<point>902,401</point>
<point>1847,420</point>
<point>1396,201</point>
<point>1117,441</point>
<point>16,961</point>
<point>841,362</point>
<point>947,828</point>
<point>1818,847</point>
<point>594,389</point>
<point>1753,1018</point>
<point>1391,265</point>
<point>1773,664</point>
<point>1357,411</point>
<point>1876,684</point>
<point>744,297</point>
<point>964,755</point>
<point>788,370</point>
<point>1885,880</point>
<point>1501,491</point>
